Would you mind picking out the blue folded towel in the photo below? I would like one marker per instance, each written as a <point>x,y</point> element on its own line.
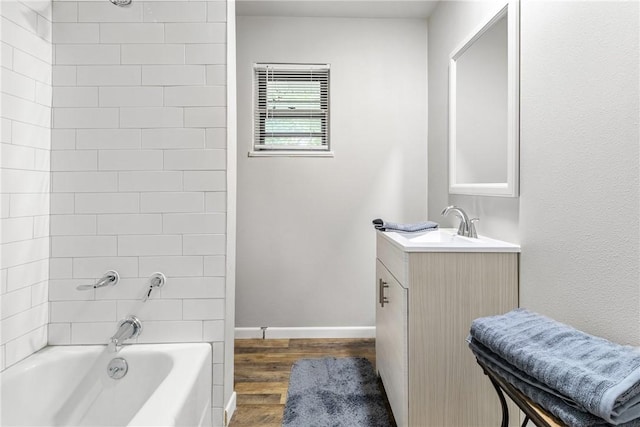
<point>597,375</point>
<point>408,228</point>
<point>563,409</point>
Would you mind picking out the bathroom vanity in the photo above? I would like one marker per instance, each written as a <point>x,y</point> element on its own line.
<point>430,286</point>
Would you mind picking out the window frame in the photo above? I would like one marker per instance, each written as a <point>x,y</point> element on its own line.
<point>260,111</point>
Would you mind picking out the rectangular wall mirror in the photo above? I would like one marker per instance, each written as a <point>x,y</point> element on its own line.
<point>483,108</point>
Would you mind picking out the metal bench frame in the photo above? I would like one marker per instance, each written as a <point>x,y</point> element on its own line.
<point>533,412</point>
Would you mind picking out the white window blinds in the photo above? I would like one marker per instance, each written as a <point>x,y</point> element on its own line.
<point>291,107</point>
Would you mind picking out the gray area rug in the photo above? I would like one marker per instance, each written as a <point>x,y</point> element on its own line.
<point>334,392</point>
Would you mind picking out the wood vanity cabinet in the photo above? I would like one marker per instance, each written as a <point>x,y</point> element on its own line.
<point>426,302</point>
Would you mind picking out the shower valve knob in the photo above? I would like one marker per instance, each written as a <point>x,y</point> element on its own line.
<point>157,280</point>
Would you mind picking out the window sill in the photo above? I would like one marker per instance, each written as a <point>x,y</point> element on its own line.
<point>283,153</point>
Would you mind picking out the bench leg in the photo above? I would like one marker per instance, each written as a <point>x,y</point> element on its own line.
<point>503,403</point>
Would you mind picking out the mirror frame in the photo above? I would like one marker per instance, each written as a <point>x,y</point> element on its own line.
<point>511,187</point>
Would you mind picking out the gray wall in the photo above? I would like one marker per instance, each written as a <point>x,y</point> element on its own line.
<point>579,159</point>
<point>306,246</point>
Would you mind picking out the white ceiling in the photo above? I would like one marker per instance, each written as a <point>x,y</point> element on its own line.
<point>337,8</point>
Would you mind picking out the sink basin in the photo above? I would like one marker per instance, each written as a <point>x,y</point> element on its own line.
<point>447,240</point>
<point>438,236</point>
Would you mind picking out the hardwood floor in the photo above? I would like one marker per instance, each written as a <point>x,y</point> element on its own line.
<point>262,370</point>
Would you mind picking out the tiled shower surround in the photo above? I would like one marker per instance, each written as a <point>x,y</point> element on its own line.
<point>138,175</point>
<point>24,179</point>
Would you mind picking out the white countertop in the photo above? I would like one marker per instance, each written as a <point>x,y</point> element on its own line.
<point>446,240</point>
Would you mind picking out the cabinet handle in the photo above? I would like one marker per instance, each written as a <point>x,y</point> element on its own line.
<point>381,287</point>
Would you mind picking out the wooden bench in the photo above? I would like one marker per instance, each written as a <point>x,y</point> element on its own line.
<point>533,412</point>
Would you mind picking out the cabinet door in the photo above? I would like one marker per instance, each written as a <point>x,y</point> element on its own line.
<point>449,290</point>
<point>391,342</point>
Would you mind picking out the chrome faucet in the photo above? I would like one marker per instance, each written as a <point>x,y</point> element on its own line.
<point>466,227</point>
<point>128,328</point>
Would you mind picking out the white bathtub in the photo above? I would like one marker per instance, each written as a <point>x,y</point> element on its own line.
<point>166,385</point>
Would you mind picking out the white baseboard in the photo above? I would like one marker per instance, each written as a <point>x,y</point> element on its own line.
<point>230,409</point>
<point>243,333</point>
<point>308,332</point>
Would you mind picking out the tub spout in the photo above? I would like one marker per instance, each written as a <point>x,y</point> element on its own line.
<point>128,328</point>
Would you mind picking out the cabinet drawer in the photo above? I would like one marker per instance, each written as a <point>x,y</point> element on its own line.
<point>391,343</point>
<point>395,260</point>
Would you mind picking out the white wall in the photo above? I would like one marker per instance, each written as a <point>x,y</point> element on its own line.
<point>25,146</point>
<point>139,172</point>
<point>577,214</point>
<point>306,245</point>
<point>579,210</point>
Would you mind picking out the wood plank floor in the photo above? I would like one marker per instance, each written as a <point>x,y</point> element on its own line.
<point>262,370</point>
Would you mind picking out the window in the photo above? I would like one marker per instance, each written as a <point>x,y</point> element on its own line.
<point>291,108</point>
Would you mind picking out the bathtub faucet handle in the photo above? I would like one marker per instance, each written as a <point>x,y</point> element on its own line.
<point>111,277</point>
<point>157,280</point>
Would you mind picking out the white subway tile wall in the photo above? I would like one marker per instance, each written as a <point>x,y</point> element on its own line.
<point>138,171</point>
<point>25,180</point>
